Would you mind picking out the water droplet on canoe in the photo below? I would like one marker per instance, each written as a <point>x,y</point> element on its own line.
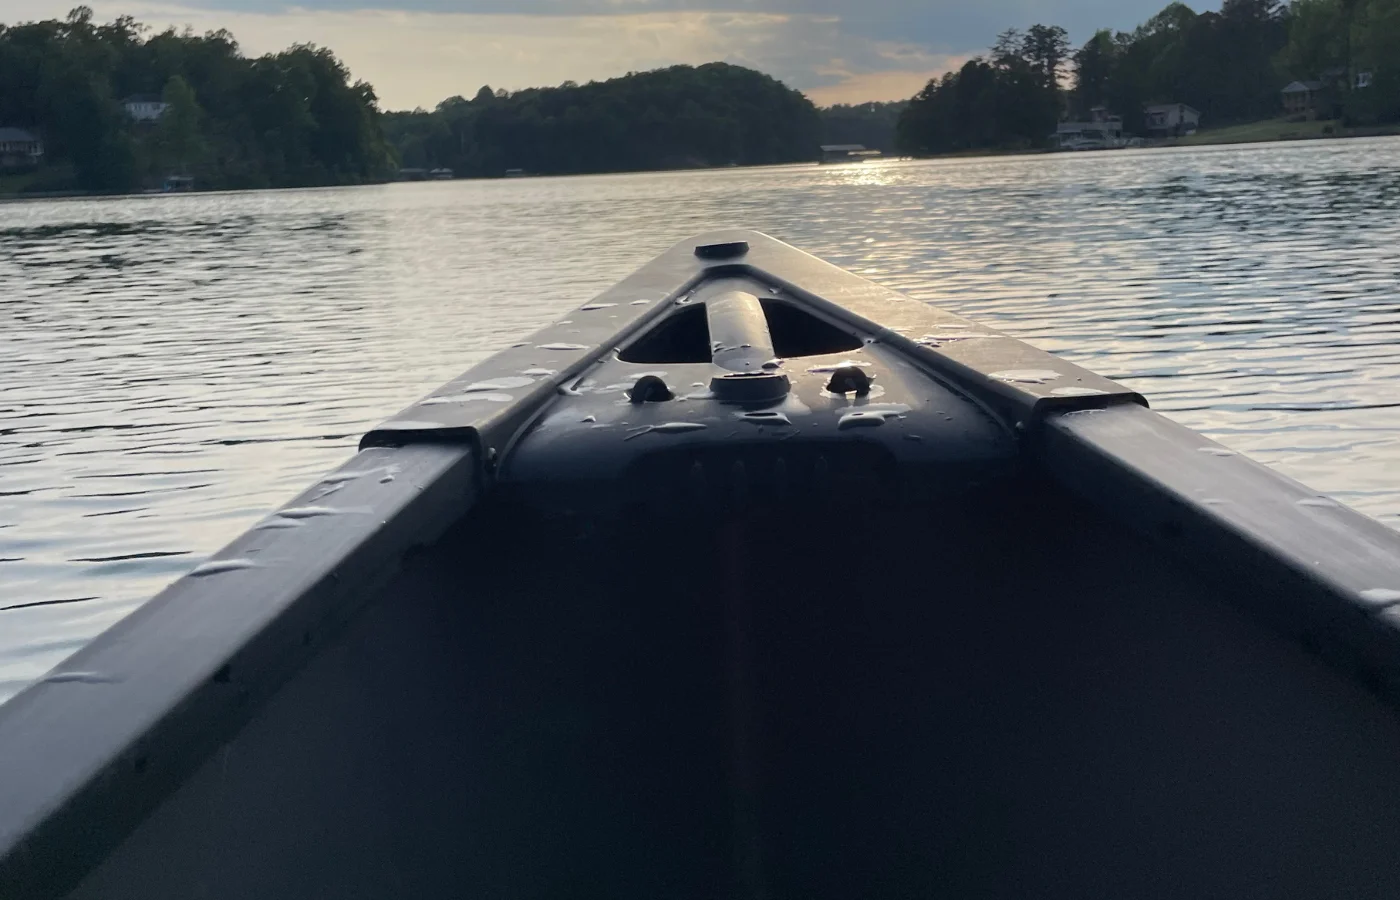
<point>386,479</point>
<point>676,427</point>
<point>277,522</point>
<point>913,437</point>
<point>540,373</point>
<point>592,306</point>
<point>832,367</point>
<point>1216,451</point>
<point>1381,596</point>
<point>563,347</point>
<point>308,512</point>
<point>590,418</point>
<point>468,398</point>
<point>521,344</point>
<point>1077,392</point>
<point>342,477</point>
<point>937,340</point>
<point>219,566</point>
<point>640,302</point>
<point>864,419</point>
<point>79,678</point>
<point>328,490</point>
<point>765,418</point>
<point>510,382</point>
<point>1026,376</point>
<point>666,428</point>
<point>1318,501</point>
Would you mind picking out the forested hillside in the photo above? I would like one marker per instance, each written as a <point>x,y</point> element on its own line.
<point>297,117</point>
<point>286,119</point>
<point>682,116</point>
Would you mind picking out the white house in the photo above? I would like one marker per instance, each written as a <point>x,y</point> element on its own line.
<point>1172,118</point>
<point>1103,131</point>
<point>145,107</point>
<point>19,148</point>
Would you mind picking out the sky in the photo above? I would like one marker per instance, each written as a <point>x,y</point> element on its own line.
<point>419,52</point>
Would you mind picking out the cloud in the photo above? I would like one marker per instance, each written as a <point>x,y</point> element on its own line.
<point>835,50</point>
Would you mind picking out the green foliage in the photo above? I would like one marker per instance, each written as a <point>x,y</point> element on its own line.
<point>1375,50</point>
<point>683,116</point>
<point>1093,73</point>
<point>870,124</point>
<point>1353,48</point>
<point>1230,65</point>
<point>176,144</point>
<point>1316,38</point>
<point>286,119</point>
<point>1011,101</point>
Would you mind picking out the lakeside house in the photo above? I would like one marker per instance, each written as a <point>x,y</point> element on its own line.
<point>416,174</point>
<point>1305,98</point>
<point>19,149</point>
<point>145,107</point>
<point>1323,97</point>
<point>1103,131</point>
<point>1171,119</point>
<point>843,153</point>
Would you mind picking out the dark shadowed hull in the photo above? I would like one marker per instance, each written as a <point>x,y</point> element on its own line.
<point>1003,642</point>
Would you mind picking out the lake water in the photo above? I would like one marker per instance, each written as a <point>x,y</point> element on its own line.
<point>171,368</point>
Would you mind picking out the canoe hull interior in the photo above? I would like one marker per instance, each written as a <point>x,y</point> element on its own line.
<point>997,695</point>
<point>749,579</point>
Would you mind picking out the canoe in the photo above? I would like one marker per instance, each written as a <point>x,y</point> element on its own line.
<point>749,578</point>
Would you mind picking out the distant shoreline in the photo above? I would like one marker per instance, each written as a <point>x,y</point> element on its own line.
<point>1268,131</point>
<point>1265,132</point>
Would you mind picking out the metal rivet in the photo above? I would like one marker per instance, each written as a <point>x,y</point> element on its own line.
<point>849,379</point>
<point>650,389</point>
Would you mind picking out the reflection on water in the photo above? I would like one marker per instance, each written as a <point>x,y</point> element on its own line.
<point>175,366</point>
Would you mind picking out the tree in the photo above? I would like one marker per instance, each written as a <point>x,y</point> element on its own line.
<point>1317,37</point>
<point>1046,48</point>
<point>177,142</point>
<point>286,119</point>
<point>1377,52</point>
<point>1004,103</point>
<point>1009,46</point>
<point>1093,72</point>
